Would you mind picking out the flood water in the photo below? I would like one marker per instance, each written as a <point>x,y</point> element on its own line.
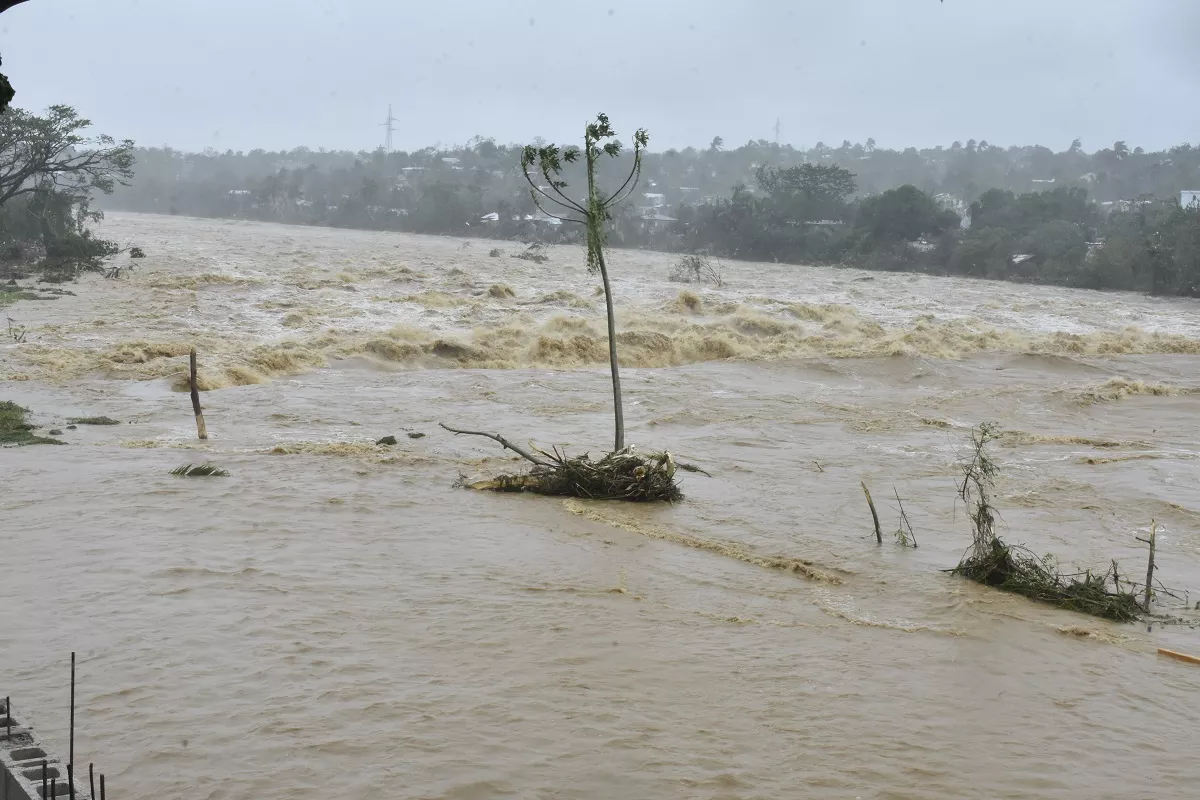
<point>335,619</point>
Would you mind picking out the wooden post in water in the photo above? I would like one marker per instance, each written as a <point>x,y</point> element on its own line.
<point>71,752</point>
<point>1149,567</point>
<point>874,513</point>
<point>201,430</point>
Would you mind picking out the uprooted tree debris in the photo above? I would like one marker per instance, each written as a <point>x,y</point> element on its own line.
<point>621,475</point>
<point>1014,568</point>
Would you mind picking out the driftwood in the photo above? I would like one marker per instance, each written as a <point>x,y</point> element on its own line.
<point>620,475</point>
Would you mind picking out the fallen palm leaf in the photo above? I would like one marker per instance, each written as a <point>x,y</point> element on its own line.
<point>200,471</point>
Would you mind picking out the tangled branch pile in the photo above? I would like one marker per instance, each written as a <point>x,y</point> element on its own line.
<point>1016,569</point>
<point>623,475</point>
<point>994,563</point>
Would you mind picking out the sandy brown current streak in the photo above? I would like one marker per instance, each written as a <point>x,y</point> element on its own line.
<point>334,618</point>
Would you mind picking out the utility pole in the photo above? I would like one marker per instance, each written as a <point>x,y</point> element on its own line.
<point>387,125</point>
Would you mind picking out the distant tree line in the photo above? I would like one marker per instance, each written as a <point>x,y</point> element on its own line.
<point>1105,219</point>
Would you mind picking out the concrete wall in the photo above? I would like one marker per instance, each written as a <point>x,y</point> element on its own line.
<point>21,757</point>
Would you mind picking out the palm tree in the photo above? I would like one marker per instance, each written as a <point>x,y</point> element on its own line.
<point>593,214</point>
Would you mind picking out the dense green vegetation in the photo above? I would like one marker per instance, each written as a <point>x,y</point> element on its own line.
<point>50,169</point>
<point>1106,219</point>
<point>14,430</point>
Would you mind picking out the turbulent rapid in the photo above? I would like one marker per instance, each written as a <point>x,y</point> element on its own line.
<point>336,617</point>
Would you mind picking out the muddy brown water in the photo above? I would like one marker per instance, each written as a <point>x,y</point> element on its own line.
<point>335,618</point>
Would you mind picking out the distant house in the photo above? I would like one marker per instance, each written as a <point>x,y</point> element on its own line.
<point>1042,180</point>
<point>654,199</point>
<point>1110,206</point>
<point>657,220</point>
<point>490,219</point>
<point>1189,198</point>
<point>1021,258</point>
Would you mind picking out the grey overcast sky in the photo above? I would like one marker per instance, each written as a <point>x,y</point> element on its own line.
<point>276,74</point>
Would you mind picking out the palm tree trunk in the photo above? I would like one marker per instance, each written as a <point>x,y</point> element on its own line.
<point>595,233</point>
<point>618,412</point>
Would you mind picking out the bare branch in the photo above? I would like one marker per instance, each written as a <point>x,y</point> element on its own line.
<point>505,443</point>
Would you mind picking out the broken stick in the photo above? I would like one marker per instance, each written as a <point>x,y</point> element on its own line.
<point>874,513</point>
<point>201,430</point>
<point>1150,567</point>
